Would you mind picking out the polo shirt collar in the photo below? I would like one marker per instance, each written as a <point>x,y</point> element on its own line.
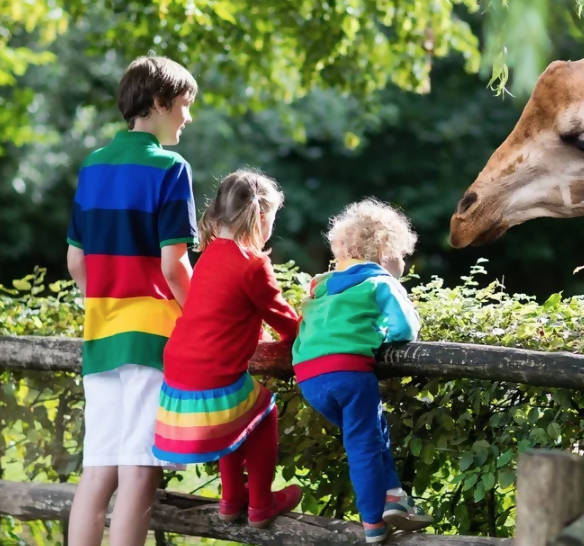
<point>137,137</point>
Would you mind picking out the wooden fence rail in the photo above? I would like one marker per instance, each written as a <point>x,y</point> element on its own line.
<point>446,360</point>
<point>197,516</point>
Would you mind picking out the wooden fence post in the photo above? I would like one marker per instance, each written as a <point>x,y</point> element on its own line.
<point>550,495</point>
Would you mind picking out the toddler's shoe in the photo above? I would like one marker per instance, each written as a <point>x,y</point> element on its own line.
<point>402,513</point>
<point>283,501</point>
<point>231,511</point>
<point>375,533</point>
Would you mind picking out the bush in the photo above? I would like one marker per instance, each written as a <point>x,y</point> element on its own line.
<point>455,442</point>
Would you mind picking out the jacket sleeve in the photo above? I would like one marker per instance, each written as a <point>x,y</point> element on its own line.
<point>399,319</point>
<point>264,292</point>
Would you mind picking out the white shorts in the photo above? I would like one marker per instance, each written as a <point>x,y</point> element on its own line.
<point>120,417</point>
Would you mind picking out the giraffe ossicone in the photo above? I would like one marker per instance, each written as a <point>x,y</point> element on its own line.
<point>538,170</point>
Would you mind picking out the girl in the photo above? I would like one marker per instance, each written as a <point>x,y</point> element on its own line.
<point>210,406</point>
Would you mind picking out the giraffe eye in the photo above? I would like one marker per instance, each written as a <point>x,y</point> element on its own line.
<point>574,139</point>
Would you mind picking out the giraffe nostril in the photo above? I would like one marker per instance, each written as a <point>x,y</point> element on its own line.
<point>466,202</point>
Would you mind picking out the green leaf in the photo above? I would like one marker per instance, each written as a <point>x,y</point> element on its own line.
<point>23,286</point>
<point>553,301</point>
<point>488,480</point>
<point>479,493</point>
<point>554,430</point>
<point>428,453</point>
<point>481,457</point>
<point>481,445</point>
<point>470,482</point>
<point>309,503</point>
<point>466,460</point>
<point>506,478</point>
<point>416,446</point>
<point>504,458</point>
<point>288,473</point>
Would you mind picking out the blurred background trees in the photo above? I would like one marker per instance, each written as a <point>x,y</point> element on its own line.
<point>337,100</point>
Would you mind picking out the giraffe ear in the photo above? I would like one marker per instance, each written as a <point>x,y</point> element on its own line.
<point>574,139</point>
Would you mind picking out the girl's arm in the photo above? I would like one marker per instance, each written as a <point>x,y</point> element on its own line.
<point>262,288</point>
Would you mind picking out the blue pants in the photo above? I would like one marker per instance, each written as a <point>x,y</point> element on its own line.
<point>351,401</point>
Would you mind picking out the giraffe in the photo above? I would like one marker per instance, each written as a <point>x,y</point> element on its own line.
<point>538,170</point>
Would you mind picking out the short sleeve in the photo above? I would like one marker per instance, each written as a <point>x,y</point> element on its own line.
<point>177,222</point>
<point>75,232</point>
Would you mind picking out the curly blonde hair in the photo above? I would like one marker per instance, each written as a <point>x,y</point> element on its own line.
<point>370,229</point>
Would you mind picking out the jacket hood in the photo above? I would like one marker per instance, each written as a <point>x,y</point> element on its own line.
<point>338,281</point>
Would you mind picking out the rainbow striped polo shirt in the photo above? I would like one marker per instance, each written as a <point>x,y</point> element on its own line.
<point>133,198</point>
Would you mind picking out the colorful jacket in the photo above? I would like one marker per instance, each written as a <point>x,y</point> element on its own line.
<point>349,314</point>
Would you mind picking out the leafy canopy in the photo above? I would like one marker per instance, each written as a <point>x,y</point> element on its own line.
<point>249,54</point>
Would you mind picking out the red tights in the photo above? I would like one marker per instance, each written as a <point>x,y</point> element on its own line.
<point>258,453</point>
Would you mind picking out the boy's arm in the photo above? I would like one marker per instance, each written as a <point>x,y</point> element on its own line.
<point>177,229</point>
<point>177,270</point>
<point>76,267</point>
<point>75,254</point>
<point>264,292</point>
<point>398,314</point>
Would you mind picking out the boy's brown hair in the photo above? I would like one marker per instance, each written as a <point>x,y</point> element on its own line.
<point>153,78</point>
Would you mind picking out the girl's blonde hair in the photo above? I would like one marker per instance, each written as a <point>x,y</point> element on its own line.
<point>243,197</point>
<point>370,229</point>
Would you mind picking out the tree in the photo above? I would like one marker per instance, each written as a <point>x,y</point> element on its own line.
<point>249,54</point>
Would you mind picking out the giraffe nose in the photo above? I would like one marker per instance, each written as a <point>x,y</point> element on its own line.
<point>466,202</point>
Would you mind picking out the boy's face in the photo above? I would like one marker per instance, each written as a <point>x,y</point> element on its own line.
<point>172,121</point>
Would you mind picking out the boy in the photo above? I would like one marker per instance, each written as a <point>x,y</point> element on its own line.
<point>349,314</point>
<point>133,217</point>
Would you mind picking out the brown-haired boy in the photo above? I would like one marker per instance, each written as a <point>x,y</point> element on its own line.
<point>132,219</point>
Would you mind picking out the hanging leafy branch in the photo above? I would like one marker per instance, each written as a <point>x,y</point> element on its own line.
<point>250,54</point>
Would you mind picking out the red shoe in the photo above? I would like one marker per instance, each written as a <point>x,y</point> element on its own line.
<point>283,501</point>
<point>230,511</point>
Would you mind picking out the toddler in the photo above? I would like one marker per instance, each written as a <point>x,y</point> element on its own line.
<point>349,314</point>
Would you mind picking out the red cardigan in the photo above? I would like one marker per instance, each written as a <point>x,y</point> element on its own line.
<point>230,294</point>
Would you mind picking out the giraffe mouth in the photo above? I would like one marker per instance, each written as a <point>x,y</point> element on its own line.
<point>496,231</point>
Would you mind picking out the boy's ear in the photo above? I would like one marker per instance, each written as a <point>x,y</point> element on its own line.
<point>158,106</point>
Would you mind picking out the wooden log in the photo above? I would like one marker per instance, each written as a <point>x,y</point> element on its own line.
<point>197,516</point>
<point>446,360</point>
<point>573,535</point>
<point>550,495</point>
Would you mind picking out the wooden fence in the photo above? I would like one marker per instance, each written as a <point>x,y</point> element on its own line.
<point>550,498</point>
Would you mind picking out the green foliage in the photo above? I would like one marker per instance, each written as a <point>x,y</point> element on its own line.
<point>455,442</point>
<point>39,21</point>
<point>250,54</point>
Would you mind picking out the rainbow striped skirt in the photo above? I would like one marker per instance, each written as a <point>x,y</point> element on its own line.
<point>203,426</point>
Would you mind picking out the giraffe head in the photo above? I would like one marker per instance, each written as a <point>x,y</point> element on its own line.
<point>538,170</point>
